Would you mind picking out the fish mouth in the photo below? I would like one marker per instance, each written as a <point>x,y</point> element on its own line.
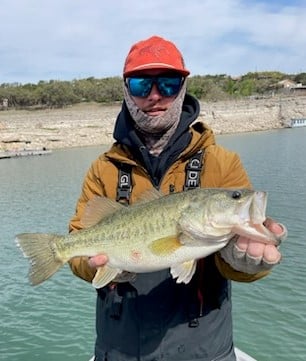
<point>256,232</point>
<point>258,207</point>
<point>253,216</point>
<point>254,209</point>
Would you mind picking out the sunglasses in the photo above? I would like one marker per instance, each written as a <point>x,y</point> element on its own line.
<point>142,86</point>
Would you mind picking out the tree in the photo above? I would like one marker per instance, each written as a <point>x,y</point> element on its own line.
<point>300,78</point>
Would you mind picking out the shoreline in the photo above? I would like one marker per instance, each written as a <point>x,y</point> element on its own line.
<point>90,124</point>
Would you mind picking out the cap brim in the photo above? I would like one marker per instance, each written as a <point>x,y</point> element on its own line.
<point>155,66</point>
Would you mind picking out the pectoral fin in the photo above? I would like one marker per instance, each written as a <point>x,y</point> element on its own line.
<point>104,275</point>
<point>184,271</point>
<point>165,246</point>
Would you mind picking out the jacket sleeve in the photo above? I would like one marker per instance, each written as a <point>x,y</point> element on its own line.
<point>92,186</point>
<point>228,172</point>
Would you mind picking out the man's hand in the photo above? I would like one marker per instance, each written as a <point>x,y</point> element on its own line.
<point>249,256</point>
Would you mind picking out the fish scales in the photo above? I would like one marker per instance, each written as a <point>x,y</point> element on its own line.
<point>166,232</point>
<point>141,224</point>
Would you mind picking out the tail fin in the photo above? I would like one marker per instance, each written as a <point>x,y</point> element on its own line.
<point>41,250</point>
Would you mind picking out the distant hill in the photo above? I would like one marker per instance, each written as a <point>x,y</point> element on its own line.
<point>56,93</point>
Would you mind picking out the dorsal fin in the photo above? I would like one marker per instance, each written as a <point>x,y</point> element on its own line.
<point>97,208</point>
<point>149,195</point>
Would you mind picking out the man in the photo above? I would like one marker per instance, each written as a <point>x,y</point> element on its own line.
<point>157,133</point>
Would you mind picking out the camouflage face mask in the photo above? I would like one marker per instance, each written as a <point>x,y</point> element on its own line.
<point>156,130</point>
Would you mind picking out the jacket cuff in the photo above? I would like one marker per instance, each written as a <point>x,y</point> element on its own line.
<point>80,267</point>
<point>230,273</point>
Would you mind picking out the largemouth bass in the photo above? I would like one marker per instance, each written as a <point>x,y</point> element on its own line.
<point>158,232</point>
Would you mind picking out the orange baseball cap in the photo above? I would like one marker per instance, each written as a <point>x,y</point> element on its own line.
<point>154,53</point>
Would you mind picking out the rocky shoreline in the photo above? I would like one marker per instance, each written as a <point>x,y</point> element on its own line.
<point>92,124</point>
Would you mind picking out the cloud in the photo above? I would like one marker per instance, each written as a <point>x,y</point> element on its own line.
<point>66,39</point>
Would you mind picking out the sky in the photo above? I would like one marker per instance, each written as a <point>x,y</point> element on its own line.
<point>77,39</point>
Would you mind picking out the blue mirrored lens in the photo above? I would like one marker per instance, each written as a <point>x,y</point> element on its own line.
<point>142,86</point>
<point>169,86</point>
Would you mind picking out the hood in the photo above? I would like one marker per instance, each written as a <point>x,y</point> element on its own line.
<point>189,137</point>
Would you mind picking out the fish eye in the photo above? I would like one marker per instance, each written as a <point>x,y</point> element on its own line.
<point>236,195</point>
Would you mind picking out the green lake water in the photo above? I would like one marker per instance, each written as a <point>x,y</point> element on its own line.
<point>55,321</point>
